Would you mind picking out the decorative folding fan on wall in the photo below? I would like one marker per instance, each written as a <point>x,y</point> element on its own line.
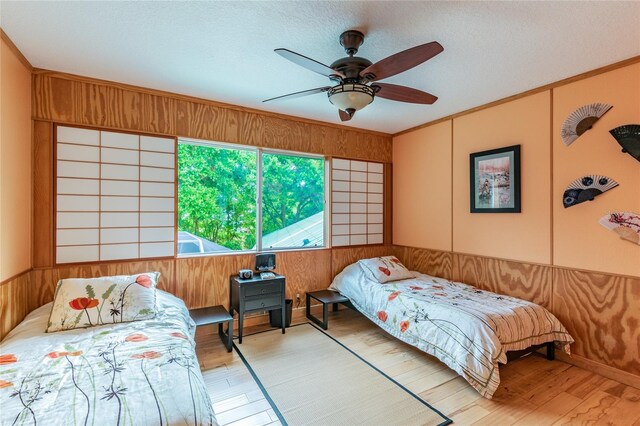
<point>586,188</point>
<point>625,224</point>
<point>582,120</point>
<point>628,137</point>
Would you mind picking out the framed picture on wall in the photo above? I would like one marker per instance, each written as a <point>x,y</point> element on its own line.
<point>495,180</point>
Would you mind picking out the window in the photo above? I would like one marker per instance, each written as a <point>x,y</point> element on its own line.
<point>216,198</point>
<point>292,201</point>
<point>227,197</point>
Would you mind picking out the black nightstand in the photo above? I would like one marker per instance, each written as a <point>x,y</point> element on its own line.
<point>255,295</point>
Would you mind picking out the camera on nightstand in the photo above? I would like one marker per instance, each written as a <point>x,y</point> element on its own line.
<point>245,274</point>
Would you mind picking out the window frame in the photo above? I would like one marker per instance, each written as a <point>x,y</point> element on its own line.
<point>258,198</point>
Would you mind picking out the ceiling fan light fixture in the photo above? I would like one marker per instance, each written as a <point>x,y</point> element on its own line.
<point>351,96</point>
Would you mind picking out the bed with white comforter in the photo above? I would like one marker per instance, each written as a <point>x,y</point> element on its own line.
<point>468,329</point>
<point>136,373</point>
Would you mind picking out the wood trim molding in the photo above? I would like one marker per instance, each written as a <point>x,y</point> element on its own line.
<point>165,94</point>
<point>15,50</point>
<point>15,277</point>
<point>568,80</point>
<point>601,369</point>
<point>42,194</point>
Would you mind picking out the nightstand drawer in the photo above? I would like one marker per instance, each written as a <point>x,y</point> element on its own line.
<point>263,302</point>
<point>260,289</point>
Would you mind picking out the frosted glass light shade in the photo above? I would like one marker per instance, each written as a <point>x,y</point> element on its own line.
<point>351,96</point>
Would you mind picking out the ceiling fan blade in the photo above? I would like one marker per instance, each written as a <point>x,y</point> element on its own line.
<point>299,94</point>
<point>395,92</point>
<point>308,63</point>
<point>345,116</point>
<point>401,61</point>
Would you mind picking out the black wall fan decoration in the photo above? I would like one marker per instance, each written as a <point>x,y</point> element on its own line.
<point>355,80</point>
<point>628,137</point>
<point>582,120</point>
<point>586,188</point>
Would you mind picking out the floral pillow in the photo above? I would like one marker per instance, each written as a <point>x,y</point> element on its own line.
<point>86,302</point>
<point>386,269</point>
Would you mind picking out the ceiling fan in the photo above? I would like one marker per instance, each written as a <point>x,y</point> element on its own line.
<point>356,79</point>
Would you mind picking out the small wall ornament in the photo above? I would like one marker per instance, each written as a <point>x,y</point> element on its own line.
<point>586,188</point>
<point>582,120</point>
<point>625,224</point>
<point>628,136</point>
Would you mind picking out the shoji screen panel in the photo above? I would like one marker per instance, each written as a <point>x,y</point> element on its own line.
<point>115,196</point>
<point>357,202</point>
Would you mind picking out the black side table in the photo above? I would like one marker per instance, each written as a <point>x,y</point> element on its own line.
<point>254,295</point>
<point>215,315</point>
<point>326,297</point>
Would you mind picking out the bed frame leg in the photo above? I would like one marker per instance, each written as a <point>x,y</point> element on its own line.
<point>551,347</point>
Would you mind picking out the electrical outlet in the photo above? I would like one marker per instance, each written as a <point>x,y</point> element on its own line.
<point>297,297</point>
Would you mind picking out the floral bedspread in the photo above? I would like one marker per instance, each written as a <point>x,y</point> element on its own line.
<point>138,373</point>
<point>468,329</point>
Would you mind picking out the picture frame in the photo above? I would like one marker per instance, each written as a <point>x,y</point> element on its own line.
<point>495,180</point>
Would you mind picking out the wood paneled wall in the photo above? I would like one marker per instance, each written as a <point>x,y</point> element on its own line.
<point>65,98</point>
<point>431,262</point>
<point>199,281</point>
<point>601,311</point>
<point>42,193</point>
<point>345,256</point>
<point>69,99</point>
<point>528,281</point>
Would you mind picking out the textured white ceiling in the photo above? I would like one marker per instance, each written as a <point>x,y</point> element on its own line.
<point>224,50</point>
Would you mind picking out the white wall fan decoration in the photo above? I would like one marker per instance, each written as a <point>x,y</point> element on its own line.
<point>582,120</point>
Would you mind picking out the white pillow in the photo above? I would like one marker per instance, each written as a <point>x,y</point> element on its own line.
<point>386,269</point>
<point>87,302</point>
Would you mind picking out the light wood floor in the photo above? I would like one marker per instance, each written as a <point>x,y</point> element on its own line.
<point>533,391</point>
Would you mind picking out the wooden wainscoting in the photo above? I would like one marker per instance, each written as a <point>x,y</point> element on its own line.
<point>343,257</point>
<point>204,281</point>
<point>601,311</point>
<point>431,262</point>
<point>44,280</point>
<point>518,279</point>
<point>15,301</point>
<point>199,281</point>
